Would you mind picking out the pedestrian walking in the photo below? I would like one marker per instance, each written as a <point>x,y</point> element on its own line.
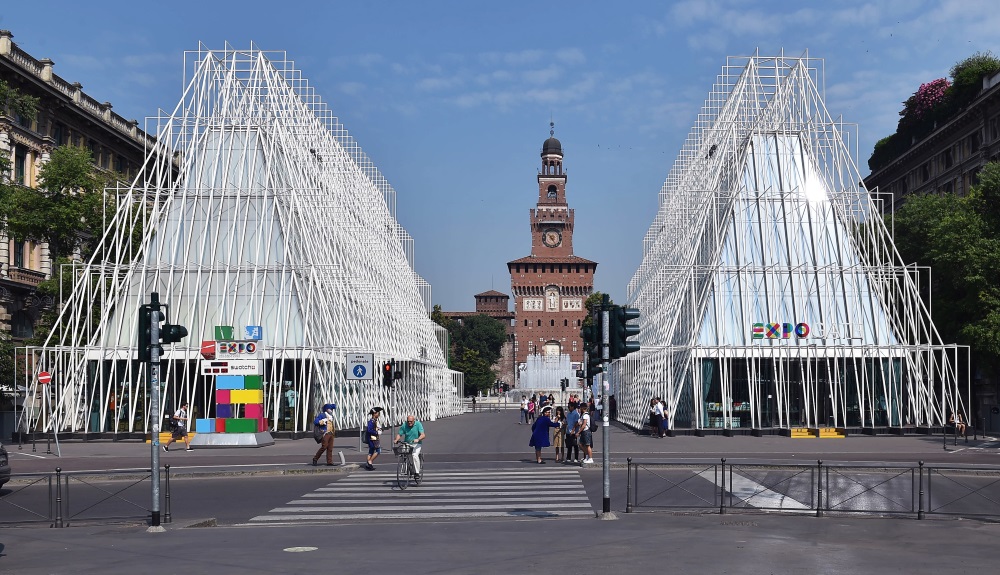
<point>324,424</point>
<point>180,429</point>
<point>473,404</point>
<point>540,433</point>
<point>531,408</point>
<point>524,409</point>
<point>372,432</point>
<point>559,435</point>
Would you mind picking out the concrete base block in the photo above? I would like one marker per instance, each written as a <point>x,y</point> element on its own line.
<point>209,440</point>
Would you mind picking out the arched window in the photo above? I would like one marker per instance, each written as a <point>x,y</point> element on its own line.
<point>552,323</point>
<point>552,192</point>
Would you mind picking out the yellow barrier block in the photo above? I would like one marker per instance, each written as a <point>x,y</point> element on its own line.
<point>165,437</point>
<point>834,432</point>
<point>800,432</point>
<point>246,396</point>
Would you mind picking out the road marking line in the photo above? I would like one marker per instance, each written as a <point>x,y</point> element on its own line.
<point>390,515</point>
<point>533,507</point>
<point>428,499</point>
<point>751,491</point>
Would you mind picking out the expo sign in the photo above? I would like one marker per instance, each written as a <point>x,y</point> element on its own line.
<point>801,330</point>
<point>237,349</point>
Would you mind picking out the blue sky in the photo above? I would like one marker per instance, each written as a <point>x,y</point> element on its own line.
<point>452,100</point>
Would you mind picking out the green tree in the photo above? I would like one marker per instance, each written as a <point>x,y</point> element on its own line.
<point>593,302</point>
<point>959,238</point>
<point>438,317</point>
<point>482,334</point>
<point>66,211</point>
<point>478,374</point>
<point>17,103</point>
<point>476,343</point>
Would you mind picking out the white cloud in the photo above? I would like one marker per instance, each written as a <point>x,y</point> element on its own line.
<point>351,88</point>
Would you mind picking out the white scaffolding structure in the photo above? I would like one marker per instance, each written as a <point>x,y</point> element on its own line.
<point>771,293</point>
<point>274,218</point>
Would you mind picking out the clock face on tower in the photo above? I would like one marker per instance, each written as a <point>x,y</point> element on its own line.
<point>552,238</point>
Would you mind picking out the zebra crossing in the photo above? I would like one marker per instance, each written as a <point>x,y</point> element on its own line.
<point>512,493</point>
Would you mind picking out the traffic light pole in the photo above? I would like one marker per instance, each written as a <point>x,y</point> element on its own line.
<point>154,408</point>
<point>606,437</point>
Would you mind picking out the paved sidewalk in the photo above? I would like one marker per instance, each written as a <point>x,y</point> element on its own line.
<point>497,437</point>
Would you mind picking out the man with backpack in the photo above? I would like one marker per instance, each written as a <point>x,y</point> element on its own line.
<point>324,432</point>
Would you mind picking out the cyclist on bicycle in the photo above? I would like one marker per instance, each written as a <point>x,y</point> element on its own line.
<point>412,432</point>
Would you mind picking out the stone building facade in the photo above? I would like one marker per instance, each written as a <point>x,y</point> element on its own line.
<point>948,160</point>
<point>65,116</point>
<point>551,285</point>
<point>950,157</point>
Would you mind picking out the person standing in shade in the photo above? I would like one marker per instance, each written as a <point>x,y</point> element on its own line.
<point>540,433</point>
<point>573,435</point>
<point>180,428</point>
<point>559,435</point>
<point>325,420</point>
<point>586,436</point>
<point>372,432</point>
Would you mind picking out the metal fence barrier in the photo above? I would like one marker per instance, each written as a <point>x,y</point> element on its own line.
<point>815,489</point>
<point>62,498</point>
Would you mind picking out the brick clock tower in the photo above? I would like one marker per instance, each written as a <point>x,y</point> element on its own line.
<point>551,285</point>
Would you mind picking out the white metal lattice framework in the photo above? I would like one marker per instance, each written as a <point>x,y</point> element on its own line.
<point>763,220</point>
<point>276,218</point>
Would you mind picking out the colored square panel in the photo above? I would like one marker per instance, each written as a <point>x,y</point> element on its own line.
<point>241,425</point>
<point>222,396</point>
<point>254,332</point>
<point>224,410</point>
<point>253,382</point>
<point>220,424</point>
<point>229,382</point>
<point>246,396</point>
<point>204,425</point>
<point>253,411</point>
<point>223,332</point>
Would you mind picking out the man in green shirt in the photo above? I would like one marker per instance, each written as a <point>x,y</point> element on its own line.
<point>412,432</point>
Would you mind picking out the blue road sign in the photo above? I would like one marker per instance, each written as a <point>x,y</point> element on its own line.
<point>359,371</point>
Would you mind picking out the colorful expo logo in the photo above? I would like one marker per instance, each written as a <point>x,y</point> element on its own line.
<point>779,330</point>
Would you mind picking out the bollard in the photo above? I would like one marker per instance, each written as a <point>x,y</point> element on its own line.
<point>628,486</point>
<point>59,518</point>
<point>920,497</point>
<point>819,488</point>
<point>722,492</point>
<point>166,489</point>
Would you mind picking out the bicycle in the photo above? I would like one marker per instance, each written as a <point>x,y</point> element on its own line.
<point>404,470</point>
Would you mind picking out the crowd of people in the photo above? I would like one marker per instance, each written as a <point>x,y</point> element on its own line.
<point>568,429</point>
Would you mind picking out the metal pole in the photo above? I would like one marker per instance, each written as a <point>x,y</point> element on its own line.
<point>166,497</point>
<point>819,488</point>
<point>59,518</point>
<point>920,482</point>
<point>606,436</point>
<point>154,404</point>
<point>722,491</point>
<point>48,422</point>
<point>628,487</point>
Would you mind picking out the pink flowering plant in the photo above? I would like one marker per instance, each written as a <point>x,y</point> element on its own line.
<point>920,109</point>
<point>929,96</point>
